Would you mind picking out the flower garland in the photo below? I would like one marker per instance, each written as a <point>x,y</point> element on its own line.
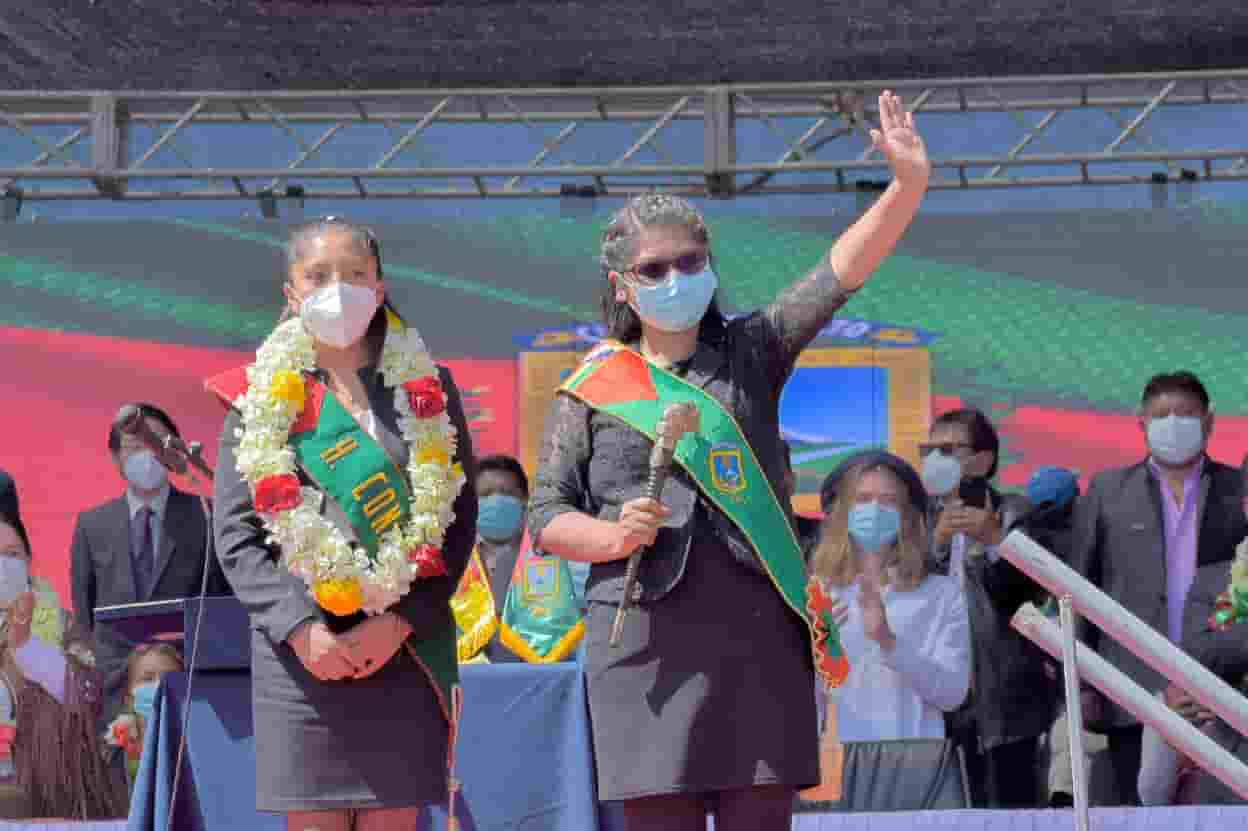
<point>343,578</point>
<point>1232,605</point>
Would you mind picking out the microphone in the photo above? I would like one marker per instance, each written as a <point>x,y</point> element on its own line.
<point>170,450</point>
<point>677,420</point>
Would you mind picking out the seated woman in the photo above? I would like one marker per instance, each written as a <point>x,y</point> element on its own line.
<point>51,760</point>
<point>146,665</point>
<point>904,631</point>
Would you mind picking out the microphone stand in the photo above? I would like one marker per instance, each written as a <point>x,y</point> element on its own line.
<point>192,456</point>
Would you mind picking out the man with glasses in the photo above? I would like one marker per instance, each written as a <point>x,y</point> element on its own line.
<point>1011,704</point>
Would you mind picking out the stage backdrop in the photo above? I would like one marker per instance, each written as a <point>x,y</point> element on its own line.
<point>1050,321</point>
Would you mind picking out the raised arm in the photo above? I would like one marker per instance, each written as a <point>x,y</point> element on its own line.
<point>805,307</point>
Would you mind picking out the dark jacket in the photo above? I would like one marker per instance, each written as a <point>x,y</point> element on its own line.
<point>1120,546</point>
<point>102,572</point>
<point>1225,653</point>
<point>594,463</point>
<point>1012,697</point>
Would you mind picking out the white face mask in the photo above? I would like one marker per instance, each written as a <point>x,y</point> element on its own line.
<point>339,314</point>
<point>14,579</point>
<point>941,473</point>
<point>144,471</point>
<point>1176,440</point>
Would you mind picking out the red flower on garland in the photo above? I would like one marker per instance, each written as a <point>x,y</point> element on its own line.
<point>275,494</point>
<point>426,396</point>
<point>428,560</point>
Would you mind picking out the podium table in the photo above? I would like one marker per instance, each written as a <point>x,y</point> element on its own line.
<point>525,756</point>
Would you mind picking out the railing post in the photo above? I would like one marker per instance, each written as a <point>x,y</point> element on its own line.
<point>1074,712</point>
<point>109,137</point>
<point>721,142</point>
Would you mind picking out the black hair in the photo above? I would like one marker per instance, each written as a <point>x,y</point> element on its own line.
<point>309,230</point>
<point>502,463</point>
<point>148,411</point>
<point>983,436</point>
<point>1175,383</point>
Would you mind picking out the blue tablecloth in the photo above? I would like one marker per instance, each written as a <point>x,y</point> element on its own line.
<point>525,756</point>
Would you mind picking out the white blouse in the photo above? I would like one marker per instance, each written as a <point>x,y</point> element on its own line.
<point>903,694</point>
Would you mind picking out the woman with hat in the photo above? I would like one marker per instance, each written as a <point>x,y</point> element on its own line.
<point>904,631</point>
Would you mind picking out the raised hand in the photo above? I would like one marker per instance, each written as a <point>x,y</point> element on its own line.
<point>899,140</point>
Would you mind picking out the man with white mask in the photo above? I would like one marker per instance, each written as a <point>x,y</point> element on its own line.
<point>147,544</point>
<point>1011,702</point>
<point>1141,532</point>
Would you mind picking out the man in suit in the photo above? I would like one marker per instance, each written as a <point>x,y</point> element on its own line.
<point>1166,778</point>
<point>1140,534</point>
<point>151,543</point>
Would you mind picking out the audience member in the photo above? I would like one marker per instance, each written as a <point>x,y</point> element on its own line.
<point>1215,633</point>
<point>147,664</point>
<point>51,759</point>
<point>1140,534</point>
<point>1013,699</point>
<point>503,496</point>
<point>150,543</point>
<point>8,495</point>
<point>904,631</point>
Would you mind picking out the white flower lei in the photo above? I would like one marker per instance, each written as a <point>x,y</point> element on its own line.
<point>313,549</point>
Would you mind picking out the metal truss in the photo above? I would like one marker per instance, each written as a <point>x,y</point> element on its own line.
<point>721,141</point>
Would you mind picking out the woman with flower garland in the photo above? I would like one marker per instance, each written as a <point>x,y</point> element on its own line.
<point>343,525</point>
<point>52,760</point>
<point>707,701</point>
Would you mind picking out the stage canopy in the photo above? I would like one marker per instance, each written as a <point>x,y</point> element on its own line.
<point>375,44</point>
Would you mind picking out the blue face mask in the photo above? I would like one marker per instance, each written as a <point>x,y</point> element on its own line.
<point>144,696</point>
<point>679,302</point>
<point>499,516</point>
<point>874,526</point>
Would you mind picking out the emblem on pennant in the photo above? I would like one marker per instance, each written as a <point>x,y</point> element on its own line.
<point>727,469</point>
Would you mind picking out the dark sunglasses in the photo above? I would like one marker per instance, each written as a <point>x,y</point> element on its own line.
<point>948,448</point>
<point>656,271</point>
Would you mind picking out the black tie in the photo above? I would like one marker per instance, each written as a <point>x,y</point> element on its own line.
<point>144,556</point>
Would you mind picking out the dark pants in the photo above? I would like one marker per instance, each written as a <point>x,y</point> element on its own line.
<point>1006,776</point>
<point>762,808</point>
<point>1125,744</point>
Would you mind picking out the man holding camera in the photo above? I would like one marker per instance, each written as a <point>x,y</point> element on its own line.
<point>1012,699</point>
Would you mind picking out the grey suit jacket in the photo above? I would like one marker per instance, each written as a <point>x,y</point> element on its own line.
<point>1119,544</point>
<point>103,575</point>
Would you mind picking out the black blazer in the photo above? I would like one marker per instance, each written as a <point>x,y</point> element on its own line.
<point>1119,544</point>
<point>102,573</point>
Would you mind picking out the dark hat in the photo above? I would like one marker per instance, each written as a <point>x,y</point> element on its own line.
<point>9,514</point>
<point>8,495</point>
<point>875,458</point>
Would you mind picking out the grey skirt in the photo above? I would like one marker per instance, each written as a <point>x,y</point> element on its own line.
<point>380,742</point>
<point>711,688</point>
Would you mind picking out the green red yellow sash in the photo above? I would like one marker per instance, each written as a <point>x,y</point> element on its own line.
<point>617,380</point>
